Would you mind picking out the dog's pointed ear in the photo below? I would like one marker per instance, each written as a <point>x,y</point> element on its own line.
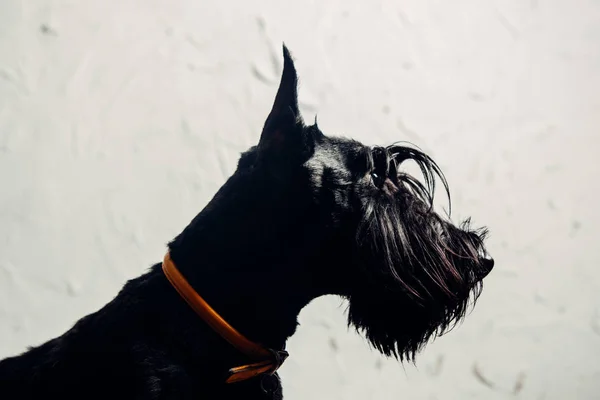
<point>284,124</point>
<point>287,94</point>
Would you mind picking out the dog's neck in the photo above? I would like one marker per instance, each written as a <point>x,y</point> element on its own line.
<point>263,310</point>
<point>235,272</point>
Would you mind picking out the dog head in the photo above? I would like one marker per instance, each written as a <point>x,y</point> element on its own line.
<point>329,215</point>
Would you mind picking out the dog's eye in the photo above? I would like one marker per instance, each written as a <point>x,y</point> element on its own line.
<point>377,180</point>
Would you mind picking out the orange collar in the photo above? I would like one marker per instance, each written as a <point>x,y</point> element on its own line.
<point>268,360</point>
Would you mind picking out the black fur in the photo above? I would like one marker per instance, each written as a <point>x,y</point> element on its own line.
<point>304,215</point>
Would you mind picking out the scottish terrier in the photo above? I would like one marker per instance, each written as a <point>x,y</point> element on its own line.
<point>304,215</point>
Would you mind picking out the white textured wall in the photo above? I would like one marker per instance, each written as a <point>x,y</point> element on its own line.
<point>120,119</point>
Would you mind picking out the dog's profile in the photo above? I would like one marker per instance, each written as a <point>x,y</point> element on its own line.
<point>304,215</point>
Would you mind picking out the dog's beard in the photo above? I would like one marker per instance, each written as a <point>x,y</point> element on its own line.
<point>418,272</point>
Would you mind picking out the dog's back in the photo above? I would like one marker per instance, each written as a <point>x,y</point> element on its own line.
<point>78,364</point>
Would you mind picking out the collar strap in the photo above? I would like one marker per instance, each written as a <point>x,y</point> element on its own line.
<point>268,360</point>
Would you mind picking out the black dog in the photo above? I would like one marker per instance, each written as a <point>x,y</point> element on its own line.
<point>304,215</point>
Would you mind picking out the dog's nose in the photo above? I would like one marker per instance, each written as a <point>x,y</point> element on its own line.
<point>487,264</point>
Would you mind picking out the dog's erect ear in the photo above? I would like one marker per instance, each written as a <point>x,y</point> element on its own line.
<point>284,124</point>
<point>287,94</point>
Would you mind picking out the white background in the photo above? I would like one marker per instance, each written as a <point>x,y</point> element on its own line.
<point>120,119</point>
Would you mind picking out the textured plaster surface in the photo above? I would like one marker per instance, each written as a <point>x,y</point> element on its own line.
<point>120,119</point>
